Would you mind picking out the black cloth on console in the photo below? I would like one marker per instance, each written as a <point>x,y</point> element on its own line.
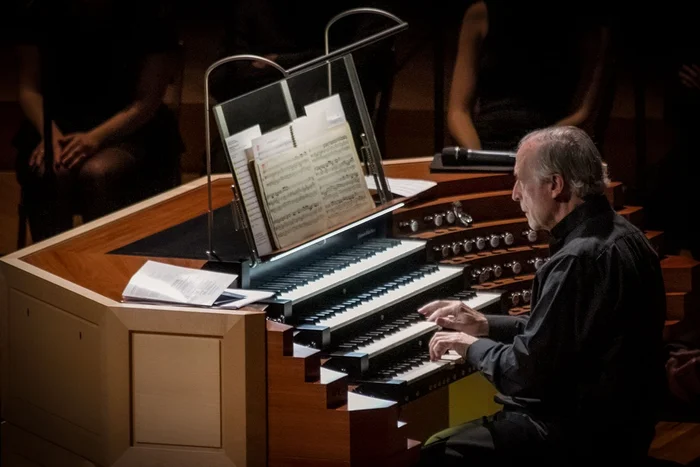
<point>190,239</point>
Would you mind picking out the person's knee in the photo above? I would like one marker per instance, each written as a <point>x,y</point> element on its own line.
<point>104,168</point>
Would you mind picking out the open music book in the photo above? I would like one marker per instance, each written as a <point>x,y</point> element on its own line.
<point>161,283</point>
<point>157,282</point>
<point>306,175</point>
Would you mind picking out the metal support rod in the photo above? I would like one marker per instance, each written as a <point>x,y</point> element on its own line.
<point>350,48</point>
<point>212,67</point>
<point>346,13</point>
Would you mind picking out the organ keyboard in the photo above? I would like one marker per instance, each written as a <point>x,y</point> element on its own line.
<point>319,274</point>
<point>355,298</point>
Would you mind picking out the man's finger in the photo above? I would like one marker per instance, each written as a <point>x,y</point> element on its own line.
<point>441,313</point>
<point>432,306</point>
<point>447,322</point>
<point>432,346</point>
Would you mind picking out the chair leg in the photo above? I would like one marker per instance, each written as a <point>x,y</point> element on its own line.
<point>22,227</point>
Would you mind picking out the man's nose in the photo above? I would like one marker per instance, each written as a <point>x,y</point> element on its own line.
<point>515,195</point>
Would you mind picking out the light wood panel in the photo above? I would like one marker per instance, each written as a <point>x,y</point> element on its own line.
<point>176,390</point>
<point>189,392</point>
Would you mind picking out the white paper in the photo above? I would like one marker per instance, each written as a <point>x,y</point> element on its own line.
<point>402,186</point>
<point>248,297</point>
<point>160,282</point>
<point>308,127</point>
<point>339,175</point>
<point>237,144</point>
<point>272,143</point>
<point>292,198</point>
<point>330,107</point>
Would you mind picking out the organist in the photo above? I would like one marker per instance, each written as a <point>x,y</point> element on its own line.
<point>582,377</point>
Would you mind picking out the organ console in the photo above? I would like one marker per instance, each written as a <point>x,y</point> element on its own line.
<point>332,371</point>
<point>337,375</point>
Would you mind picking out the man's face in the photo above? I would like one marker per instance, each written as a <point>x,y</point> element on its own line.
<point>535,196</point>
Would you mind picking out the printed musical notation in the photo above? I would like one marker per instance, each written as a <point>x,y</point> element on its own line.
<point>237,145</point>
<point>292,197</point>
<point>309,177</point>
<point>339,175</point>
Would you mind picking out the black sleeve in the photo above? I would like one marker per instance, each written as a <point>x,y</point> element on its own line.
<point>504,328</point>
<point>539,354</point>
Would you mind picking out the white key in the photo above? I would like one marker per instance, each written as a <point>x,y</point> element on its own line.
<point>377,304</point>
<point>403,249</point>
<point>389,342</point>
<point>424,369</point>
<point>452,356</point>
<point>482,299</point>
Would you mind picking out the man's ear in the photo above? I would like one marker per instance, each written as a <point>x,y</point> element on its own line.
<point>558,187</point>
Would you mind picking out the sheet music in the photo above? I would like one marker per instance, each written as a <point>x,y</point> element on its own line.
<point>158,282</point>
<point>237,145</point>
<point>339,175</point>
<point>330,107</point>
<point>292,196</point>
<point>237,298</point>
<point>308,127</point>
<point>272,143</point>
<point>403,186</point>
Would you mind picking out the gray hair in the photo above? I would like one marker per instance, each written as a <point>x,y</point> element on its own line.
<point>571,153</point>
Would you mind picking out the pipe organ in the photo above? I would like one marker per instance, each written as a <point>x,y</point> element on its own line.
<point>333,371</point>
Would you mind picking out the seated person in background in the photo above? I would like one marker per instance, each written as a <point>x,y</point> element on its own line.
<point>519,68</point>
<point>114,140</point>
<point>581,378</point>
<point>670,204</point>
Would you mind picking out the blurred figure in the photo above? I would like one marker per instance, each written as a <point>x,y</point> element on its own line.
<point>105,66</point>
<point>677,199</point>
<point>519,67</point>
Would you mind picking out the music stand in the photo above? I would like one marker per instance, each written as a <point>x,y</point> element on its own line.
<point>284,95</point>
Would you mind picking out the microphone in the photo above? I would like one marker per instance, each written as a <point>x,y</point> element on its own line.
<point>456,156</point>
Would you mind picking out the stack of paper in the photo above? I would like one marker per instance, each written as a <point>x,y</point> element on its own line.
<point>164,283</point>
<point>237,298</point>
<point>406,187</point>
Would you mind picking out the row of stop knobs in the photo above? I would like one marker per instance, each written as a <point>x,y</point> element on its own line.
<point>455,215</point>
<point>496,271</point>
<point>480,243</point>
<point>520,298</point>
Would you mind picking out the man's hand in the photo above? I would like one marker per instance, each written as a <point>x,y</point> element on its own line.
<point>441,342</point>
<point>77,147</point>
<point>453,314</point>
